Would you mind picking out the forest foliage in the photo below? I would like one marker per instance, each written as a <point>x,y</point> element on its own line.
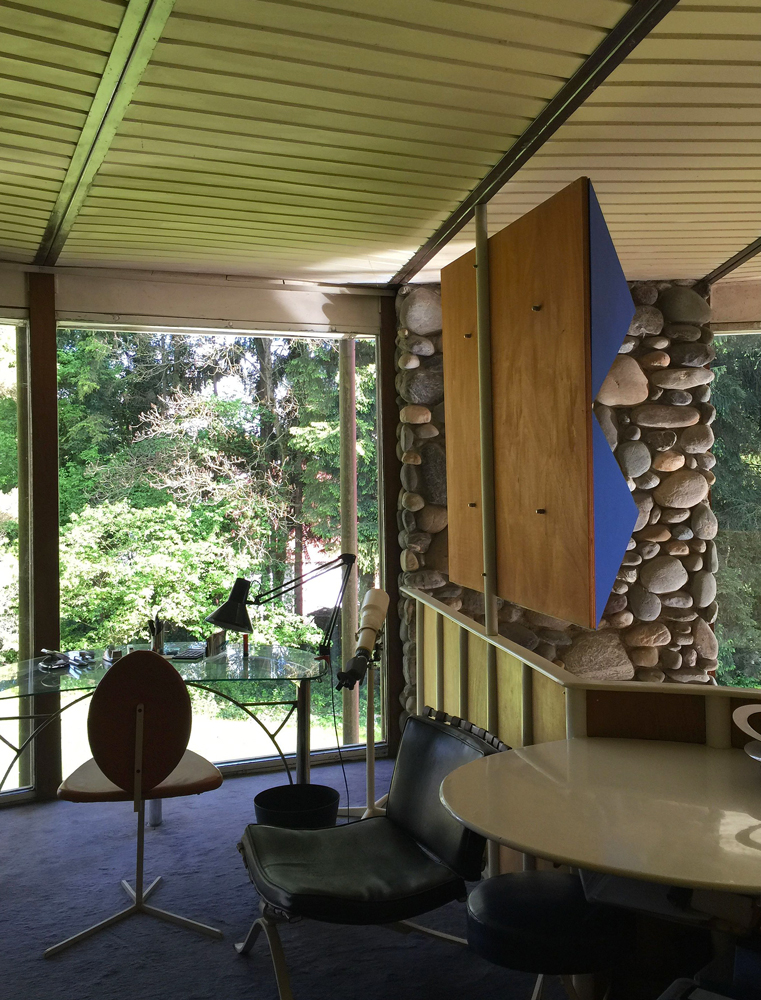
<point>736,498</point>
<point>186,461</point>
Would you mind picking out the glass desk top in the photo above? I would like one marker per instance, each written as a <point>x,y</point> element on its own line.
<point>264,663</point>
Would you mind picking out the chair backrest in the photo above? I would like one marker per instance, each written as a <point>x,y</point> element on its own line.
<point>428,752</point>
<point>147,679</point>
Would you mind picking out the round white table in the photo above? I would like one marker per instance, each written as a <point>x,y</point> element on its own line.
<point>678,813</point>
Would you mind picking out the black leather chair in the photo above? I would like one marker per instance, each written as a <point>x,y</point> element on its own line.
<point>541,922</point>
<point>382,870</point>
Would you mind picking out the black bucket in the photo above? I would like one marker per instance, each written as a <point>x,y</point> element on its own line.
<point>297,807</point>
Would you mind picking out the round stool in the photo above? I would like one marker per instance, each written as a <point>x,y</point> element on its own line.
<point>541,922</point>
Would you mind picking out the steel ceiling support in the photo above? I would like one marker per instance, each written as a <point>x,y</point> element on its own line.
<point>635,25</point>
<point>140,29</point>
<point>740,258</point>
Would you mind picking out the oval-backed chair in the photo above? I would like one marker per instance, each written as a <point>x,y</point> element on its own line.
<point>138,727</point>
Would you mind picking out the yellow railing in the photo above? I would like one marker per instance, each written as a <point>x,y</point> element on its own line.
<point>526,699</point>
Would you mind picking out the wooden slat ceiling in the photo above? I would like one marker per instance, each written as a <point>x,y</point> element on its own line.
<point>328,139</point>
<point>52,57</point>
<point>672,143</point>
<point>284,137</point>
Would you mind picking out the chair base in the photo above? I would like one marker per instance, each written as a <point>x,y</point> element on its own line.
<point>136,907</point>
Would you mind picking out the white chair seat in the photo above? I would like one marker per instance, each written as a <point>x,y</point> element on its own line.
<point>193,775</point>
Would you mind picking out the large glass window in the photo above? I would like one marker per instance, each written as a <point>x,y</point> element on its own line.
<point>12,702</point>
<point>186,461</point>
<point>736,498</point>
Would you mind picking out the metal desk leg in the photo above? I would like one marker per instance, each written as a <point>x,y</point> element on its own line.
<point>303,723</point>
<point>155,817</point>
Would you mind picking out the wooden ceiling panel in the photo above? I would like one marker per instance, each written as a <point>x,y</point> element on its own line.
<point>339,133</point>
<point>671,142</point>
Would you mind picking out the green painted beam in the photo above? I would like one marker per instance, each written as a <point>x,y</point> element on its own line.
<point>139,31</point>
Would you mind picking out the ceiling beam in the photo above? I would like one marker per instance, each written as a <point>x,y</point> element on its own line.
<point>746,254</point>
<point>638,22</point>
<point>140,29</point>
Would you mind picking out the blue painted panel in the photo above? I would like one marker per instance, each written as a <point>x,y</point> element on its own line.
<point>615,514</point>
<point>611,303</point>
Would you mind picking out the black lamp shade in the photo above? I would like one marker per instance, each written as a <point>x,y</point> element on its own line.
<point>233,614</point>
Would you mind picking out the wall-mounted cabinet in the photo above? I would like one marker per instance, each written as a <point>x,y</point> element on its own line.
<point>560,308</point>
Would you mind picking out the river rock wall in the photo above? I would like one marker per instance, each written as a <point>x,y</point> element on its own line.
<point>655,410</point>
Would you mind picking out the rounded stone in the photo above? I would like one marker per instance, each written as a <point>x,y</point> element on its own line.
<point>712,557</point>
<point>423,432</point>
<point>651,675</point>
<point>420,310</point>
<point>628,344</point>
<point>703,521</point>
<point>537,620</point>
<point>646,322</point>
<point>646,656</point>
<point>433,473</point>
<point>624,385</point>
<point>693,562</point>
<point>683,305</point>
<point>616,602</point>
<point>661,440</point>
<point>707,413</point>
<point>676,547</point>
<point>675,515</point>
<point>655,359</point>
<point>709,477</point>
<point>432,517</point>
<point>606,417</point>
<point>631,433</point>
<point>415,415</point>
<point>644,502</point>
<point>407,436</point>
<point>547,650</point>
<point>633,457</point>
<point>697,439</point>
<point>412,501</point>
<point>679,599</point>
<point>681,378</point>
<point>677,397</point>
<point>704,639</point>
<point>648,550</point>
<point>670,660</point>
<point>663,575</point>
<point>690,462</point>
<point>703,588</point>
<point>689,675</point>
<point>647,481</point>
<point>410,478</point>
<point>653,533</point>
<point>681,532</point>
<point>694,355</point>
<point>655,343</point>
<point>679,614</point>
<point>648,634</point>
<point>421,386</point>
<point>682,331</point>
<point>408,360</point>
<point>409,560</point>
<point>425,579</point>
<point>659,416</point>
<point>519,634</point>
<point>697,545</point>
<point>644,294</point>
<point>411,458</point>
<point>668,461</point>
<point>421,346</point>
<point>683,488</point>
<point>621,619</point>
<point>418,541</point>
<point>409,523</point>
<point>701,393</point>
<point>689,656</point>
<point>599,656</point>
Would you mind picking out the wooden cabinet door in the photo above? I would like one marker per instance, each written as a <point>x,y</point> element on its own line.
<point>460,347</point>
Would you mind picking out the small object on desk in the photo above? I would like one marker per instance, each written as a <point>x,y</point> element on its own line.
<point>216,643</point>
<point>195,651</point>
<point>171,651</point>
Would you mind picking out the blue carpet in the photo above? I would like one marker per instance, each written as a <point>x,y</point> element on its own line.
<point>60,867</point>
